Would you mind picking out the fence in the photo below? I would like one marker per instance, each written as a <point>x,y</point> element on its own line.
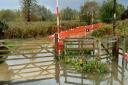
<point>28,61</point>
<point>102,49</point>
<point>79,45</point>
<point>73,77</point>
<point>35,60</point>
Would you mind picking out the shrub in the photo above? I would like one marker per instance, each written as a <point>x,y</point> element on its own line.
<point>102,31</point>
<point>122,28</point>
<point>3,27</point>
<point>90,66</point>
<point>37,29</point>
<point>106,30</point>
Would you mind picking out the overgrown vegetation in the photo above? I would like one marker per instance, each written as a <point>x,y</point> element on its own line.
<point>89,10</point>
<point>27,9</point>
<point>69,14</point>
<point>125,14</point>
<point>31,10</point>
<point>103,31</point>
<point>122,28</point>
<point>3,28</point>
<point>91,66</point>
<point>106,30</point>
<point>37,29</point>
<point>106,11</point>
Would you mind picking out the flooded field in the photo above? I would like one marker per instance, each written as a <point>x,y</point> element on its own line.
<point>45,71</point>
<point>35,64</point>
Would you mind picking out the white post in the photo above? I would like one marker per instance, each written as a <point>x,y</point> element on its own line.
<point>92,20</point>
<point>57,15</point>
<point>58,31</point>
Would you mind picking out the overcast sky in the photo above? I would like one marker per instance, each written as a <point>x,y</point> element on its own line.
<point>51,4</point>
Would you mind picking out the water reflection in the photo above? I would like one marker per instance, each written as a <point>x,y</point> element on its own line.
<point>5,73</point>
<point>48,71</point>
<point>58,73</point>
<point>118,75</point>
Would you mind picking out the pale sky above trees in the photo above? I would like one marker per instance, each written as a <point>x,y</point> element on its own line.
<point>50,4</point>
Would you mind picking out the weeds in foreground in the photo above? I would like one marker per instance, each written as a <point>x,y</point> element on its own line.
<point>91,66</point>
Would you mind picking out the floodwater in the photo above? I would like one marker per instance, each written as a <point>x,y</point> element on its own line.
<point>46,71</point>
<point>40,68</point>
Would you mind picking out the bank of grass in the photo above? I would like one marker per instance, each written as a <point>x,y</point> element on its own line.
<point>107,30</point>
<point>122,28</point>
<point>37,29</point>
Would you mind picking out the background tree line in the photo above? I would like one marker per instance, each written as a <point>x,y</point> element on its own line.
<point>32,11</point>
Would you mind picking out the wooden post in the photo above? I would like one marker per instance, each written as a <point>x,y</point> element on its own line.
<point>109,55</point>
<point>82,78</point>
<point>82,50</point>
<point>57,17</point>
<point>58,31</point>
<point>57,72</point>
<point>56,47</point>
<point>64,48</point>
<point>94,48</point>
<point>99,49</point>
<point>124,50</point>
<point>64,70</point>
<point>123,65</point>
<point>115,50</point>
<point>122,75</point>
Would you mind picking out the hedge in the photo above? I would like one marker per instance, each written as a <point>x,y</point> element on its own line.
<point>37,29</point>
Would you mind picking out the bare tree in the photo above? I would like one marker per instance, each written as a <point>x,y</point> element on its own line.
<point>26,9</point>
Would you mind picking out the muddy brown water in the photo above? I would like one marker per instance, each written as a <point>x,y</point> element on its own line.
<point>43,69</point>
<point>46,71</point>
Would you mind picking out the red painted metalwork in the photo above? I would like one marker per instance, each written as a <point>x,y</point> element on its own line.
<point>77,32</point>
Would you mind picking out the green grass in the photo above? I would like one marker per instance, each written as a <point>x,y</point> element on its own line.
<point>37,29</point>
<point>90,67</point>
<point>106,30</point>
